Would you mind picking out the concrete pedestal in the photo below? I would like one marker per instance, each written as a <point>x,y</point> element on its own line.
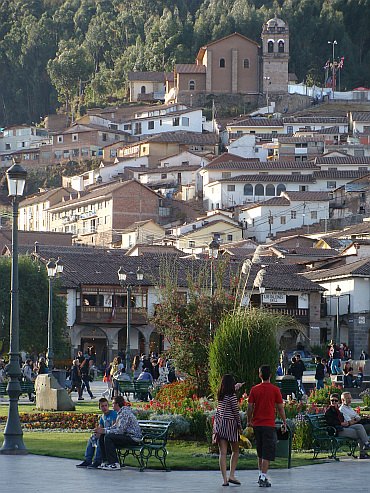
<point>51,396</point>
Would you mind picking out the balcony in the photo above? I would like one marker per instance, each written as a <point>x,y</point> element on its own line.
<point>302,315</point>
<point>103,315</point>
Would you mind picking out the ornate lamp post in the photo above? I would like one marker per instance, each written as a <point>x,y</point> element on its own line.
<point>13,434</point>
<point>337,294</point>
<point>262,290</point>
<point>53,268</point>
<point>213,249</point>
<point>122,277</point>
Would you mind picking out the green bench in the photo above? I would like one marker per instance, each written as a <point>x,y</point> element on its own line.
<point>289,386</point>
<point>26,388</point>
<point>152,444</point>
<point>326,439</point>
<point>136,387</point>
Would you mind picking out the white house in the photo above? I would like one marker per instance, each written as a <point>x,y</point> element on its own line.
<point>248,146</point>
<point>20,137</point>
<point>291,210</point>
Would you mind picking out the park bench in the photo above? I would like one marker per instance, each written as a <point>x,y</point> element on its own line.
<point>136,387</point>
<point>26,388</point>
<point>152,444</point>
<point>289,386</point>
<point>326,439</point>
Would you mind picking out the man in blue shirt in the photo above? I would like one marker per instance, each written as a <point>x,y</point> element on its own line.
<point>107,419</point>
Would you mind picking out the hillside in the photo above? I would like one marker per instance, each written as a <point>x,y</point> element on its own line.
<point>54,52</point>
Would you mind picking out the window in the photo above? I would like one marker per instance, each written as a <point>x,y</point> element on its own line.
<point>85,151</point>
<point>143,90</point>
<point>57,154</point>
<point>248,189</point>
<point>74,137</point>
<point>191,244</point>
<point>362,168</point>
<point>60,138</point>
<point>289,129</point>
<point>226,174</point>
<point>222,62</point>
<point>185,121</point>
<point>116,137</point>
<point>362,197</point>
<point>66,154</point>
<point>176,121</point>
<point>191,85</point>
<point>26,157</point>
<point>270,190</point>
<point>280,188</point>
<point>127,126</point>
<point>75,152</point>
<point>138,128</point>
<point>270,47</point>
<point>104,137</point>
<point>229,237</point>
<point>282,220</point>
<point>7,147</point>
<point>259,190</point>
<point>313,214</point>
<point>113,152</point>
<point>151,125</point>
<point>163,176</point>
<point>281,46</point>
<point>246,63</point>
<point>46,154</point>
<point>143,149</point>
<point>231,188</point>
<point>293,215</point>
<point>303,188</point>
<point>331,184</point>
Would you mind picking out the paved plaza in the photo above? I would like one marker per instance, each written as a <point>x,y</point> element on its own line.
<point>33,474</point>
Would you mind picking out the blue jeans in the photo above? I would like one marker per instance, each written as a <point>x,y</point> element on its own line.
<point>335,367</point>
<point>300,386</point>
<point>319,384</point>
<point>90,450</point>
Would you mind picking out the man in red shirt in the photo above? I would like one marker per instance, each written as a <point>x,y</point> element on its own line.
<point>261,404</point>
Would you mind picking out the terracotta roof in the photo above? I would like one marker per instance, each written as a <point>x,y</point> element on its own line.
<point>307,251</point>
<point>341,160</point>
<point>190,68</point>
<point>334,243</point>
<point>357,229</point>
<point>361,116</point>
<point>43,196</point>
<point>146,76</point>
<point>339,174</point>
<point>360,268</point>
<point>315,119</point>
<point>239,163</point>
<point>257,122</point>
<point>270,178</point>
<point>280,201</point>
<point>210,224</point>
<point>309,196</point>
<point>182,137</point>
<point>89,127</point>
<point>168,169</point>
<point>330,130</point>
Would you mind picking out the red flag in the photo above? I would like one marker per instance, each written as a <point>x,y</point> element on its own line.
<point>340,65</point>
<point>326,66</point>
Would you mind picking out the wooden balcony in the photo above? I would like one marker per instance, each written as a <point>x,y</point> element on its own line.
<point>301,314</point>
<point>103,315</point>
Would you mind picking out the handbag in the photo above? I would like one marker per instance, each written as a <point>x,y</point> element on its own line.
<point>214,437</point>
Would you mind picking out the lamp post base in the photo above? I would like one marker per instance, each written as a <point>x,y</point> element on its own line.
<point>13,445</point>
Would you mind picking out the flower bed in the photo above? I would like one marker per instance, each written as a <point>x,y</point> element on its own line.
<point>61,420</point>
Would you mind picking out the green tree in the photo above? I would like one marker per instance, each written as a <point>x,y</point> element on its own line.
<point>244,341</point>
<point>33,308</point>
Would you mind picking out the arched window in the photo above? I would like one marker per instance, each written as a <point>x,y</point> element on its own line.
<point>270,190</point>
<point>143,89</point>
<point>280,188</point>
<point>222,62</point>
<point>281,46</point>
<point>191,85</point>
<point>259,190</point>
<point>248,189</point>
<point>270,47</point>
<point>246,62</point>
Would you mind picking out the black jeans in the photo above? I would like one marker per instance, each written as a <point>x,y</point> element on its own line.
<point>108,443</point>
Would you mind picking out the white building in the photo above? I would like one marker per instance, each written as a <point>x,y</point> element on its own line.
<point>291,210</point>
<point>248,146</point>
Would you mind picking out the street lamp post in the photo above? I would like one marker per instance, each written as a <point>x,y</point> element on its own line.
<point>122,276</point>
<point>337,293</point>
<point>333,68</point>
<point>262,290</point>
<point>53,268</point>
<point>13,434</point>
<point>213,249</point>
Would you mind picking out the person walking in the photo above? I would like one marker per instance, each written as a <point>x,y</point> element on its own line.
<point>86,377</point>
<point>335,358</point>
<point>226,427</point>
<point>76,379</point>
<point>284,362</point>
<point>261,405</point>
<point>319,373</point>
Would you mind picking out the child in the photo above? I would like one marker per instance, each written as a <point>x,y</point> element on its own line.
<point>359,379</point>
<point>327,380</point>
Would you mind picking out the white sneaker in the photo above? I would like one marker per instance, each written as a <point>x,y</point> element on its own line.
<point>102,465</point>
<point>112,467</point>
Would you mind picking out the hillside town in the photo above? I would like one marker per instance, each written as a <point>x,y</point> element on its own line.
<point>291,179</point>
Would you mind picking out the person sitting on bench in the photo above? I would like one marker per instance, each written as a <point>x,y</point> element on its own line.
<point>125,431</point>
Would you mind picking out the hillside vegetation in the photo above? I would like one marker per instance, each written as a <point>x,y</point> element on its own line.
<point>53,52</point>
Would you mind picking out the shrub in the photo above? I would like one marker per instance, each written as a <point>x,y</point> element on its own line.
<point>321,396</point>
<point>180,426</point>
<point>302,439</point>
<point>292,408</point>
<point>366,397</point>
<point>244,341</point>
<point>176,391</point>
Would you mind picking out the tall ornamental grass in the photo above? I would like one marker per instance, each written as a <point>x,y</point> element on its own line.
<point>244,341</point>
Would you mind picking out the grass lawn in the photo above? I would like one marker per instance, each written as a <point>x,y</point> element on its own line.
<point>72,446</point>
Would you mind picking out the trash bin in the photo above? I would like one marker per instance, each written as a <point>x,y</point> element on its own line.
<point>284,444</point>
